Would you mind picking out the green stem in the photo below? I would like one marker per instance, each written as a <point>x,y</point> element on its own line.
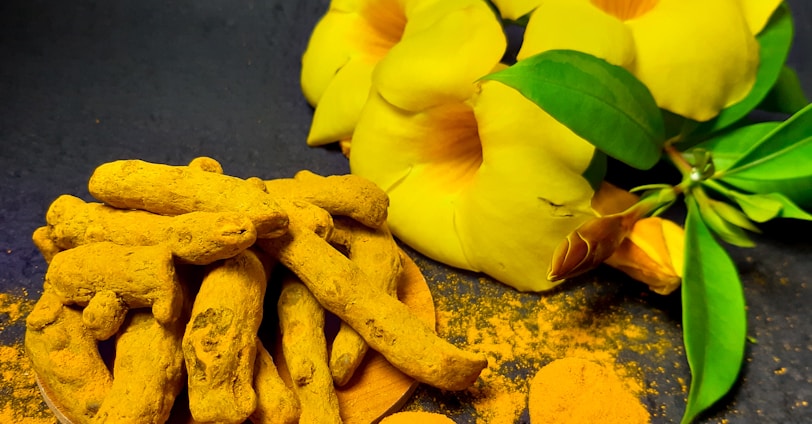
<point>684,167</point>
<point>678,160</point>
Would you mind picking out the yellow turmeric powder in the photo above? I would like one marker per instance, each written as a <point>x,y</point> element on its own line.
<point>574,391</point>
<point>175,190</point>
<point>21,402</point>
<point>521,332</point>
<point>196,237</point>
<point>412,417</point>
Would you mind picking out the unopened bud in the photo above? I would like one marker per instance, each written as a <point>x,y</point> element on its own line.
<point>653,253</point>
<point>589,245</point>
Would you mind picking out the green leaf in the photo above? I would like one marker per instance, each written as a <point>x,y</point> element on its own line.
<point>602,103</point>
<point>774,41</point>
<point>788,144</point>
<point>728,145</point>
<point>650,187</point>
<point>713,316</point>
<point>787,95</point>
<point>778,162</point>
<point>764,207</point>
<point>734,216</point>
<point>798,190</point>
<point>723,228</point>
<point>596,170</point>
<point>759,207</point>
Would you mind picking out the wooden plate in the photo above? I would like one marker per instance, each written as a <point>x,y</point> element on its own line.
<point>377,388</point>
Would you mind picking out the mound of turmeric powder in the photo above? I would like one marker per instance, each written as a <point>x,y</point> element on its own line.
<point>173,267</point>
<point>411,417</point>
<point>573,390</point>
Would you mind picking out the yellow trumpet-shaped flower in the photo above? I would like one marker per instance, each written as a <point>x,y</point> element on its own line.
<point>490,183</point>
<point>695,56</point>
<point>356,36</point>
<point>478,176</point>
<point>652,253</point>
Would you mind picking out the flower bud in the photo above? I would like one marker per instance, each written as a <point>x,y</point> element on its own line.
<point>653,253</point>
<point>589,245</point>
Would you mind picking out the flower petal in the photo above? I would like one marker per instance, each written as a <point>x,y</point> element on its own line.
<point>527,195</point>
<point>422,161</point>
<point>611,199</point>
<point>577,25</point>
<point>440,55</point>
<point>324,57</point>
<point>474,186</point>
<point>653,254</point>
<point>675,243</point>
<point>351,29</point>
<point>758,13</point>
<point>695,56</point>
<point>340,105</point>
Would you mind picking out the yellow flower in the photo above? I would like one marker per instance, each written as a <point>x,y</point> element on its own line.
<point>695,56</point>
<point>356,36</point>
<point>490,183</point>
<point>653,253</point>
<point>478,176</point>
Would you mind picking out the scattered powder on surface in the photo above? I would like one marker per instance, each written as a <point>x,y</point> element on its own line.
<point>520,333</point>
<point>20,400</point>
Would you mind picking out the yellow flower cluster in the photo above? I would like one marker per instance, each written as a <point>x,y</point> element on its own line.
<point>478,176</point>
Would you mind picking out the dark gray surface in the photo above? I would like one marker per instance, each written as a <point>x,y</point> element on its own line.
<point>86,82</point>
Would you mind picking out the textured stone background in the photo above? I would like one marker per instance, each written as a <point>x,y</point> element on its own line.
<point>85,82</point>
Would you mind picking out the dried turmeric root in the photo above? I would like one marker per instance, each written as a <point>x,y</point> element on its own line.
<point>65,358</point>
<point>148,372</point>
<point>142,276</point>
<point>376,253</point>
<point>44,241</point>
<point>219,344</point>
<point>206,164</point>
<point>175,190</point>
<point>276,402</point>
<point>104,314</point>
<point>385,323</point>
<point>198,238</point>
<point>343,195</point>
<point>301,322</point>
<point>305,215</point>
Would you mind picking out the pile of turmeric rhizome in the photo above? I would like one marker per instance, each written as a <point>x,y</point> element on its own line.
<point>164,301</point>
